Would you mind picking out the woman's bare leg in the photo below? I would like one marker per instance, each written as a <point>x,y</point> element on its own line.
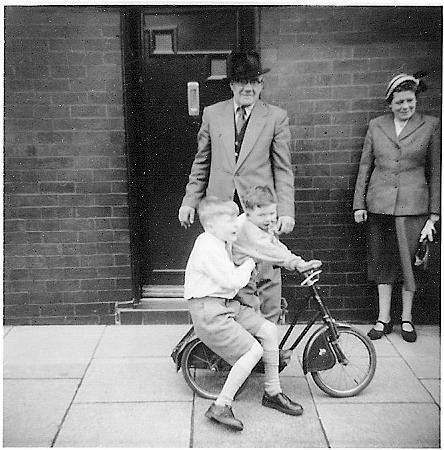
<point>407,303</point>
<point>385,301</point>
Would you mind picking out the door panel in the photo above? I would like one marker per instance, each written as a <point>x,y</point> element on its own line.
<point>179,46</point>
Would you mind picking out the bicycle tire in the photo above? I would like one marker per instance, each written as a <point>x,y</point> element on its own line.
<point>350,379</point>
<point>204,371</point>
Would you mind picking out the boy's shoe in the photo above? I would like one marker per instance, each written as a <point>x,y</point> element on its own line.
<point>225,416</point>
<point>374,334</point>
<point>282,403</point>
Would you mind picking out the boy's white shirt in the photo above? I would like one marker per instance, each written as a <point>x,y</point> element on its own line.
<point>210,271</point>
<point>261,246</point>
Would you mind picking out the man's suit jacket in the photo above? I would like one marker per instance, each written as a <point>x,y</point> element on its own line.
<point>264,158</point>
<point>400,175</point>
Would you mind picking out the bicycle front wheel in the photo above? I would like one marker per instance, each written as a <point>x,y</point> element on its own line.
<point>353,375</point>
<point>203,370</point>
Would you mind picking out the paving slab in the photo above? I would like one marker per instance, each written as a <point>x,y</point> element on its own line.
<point>434,387</point>
<point>423,356</point>
<point>381,425</point>
<point>49,351</point>
<point>132,380</point>
<point>129,425</point>
<point>139,341</point>
<point>393,382</point>
<point>263,427</point>
<point>33,410</point>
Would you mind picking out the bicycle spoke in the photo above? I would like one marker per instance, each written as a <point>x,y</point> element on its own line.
<point>351,376</point>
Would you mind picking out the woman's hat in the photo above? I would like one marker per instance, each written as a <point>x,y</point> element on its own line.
<point>245,64</point>
<point>396,81</point>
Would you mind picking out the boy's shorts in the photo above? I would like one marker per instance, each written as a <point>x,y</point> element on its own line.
<point>225,326</point>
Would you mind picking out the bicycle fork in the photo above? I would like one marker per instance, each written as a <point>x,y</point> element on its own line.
<point>333,332</point>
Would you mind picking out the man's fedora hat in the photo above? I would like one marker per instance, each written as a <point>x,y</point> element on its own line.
<point>244,64</point>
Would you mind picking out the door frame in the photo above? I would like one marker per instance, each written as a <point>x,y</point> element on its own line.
<point>132,74</point>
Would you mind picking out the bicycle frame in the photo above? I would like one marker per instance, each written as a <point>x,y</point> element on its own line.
<point>322,312</point>
<point>321,351</point>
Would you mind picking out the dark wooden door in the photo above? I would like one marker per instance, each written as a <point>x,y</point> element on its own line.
<point>180,45</point>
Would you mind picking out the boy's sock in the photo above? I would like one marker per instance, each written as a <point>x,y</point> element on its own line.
<point>268,336</point>
<point>272,383</point>
<point>238,374</point>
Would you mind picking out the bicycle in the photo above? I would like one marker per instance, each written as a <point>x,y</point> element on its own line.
<point>340,359</point>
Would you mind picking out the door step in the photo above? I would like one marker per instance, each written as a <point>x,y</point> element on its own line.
<point>160,305</point>
<point>162,290</point>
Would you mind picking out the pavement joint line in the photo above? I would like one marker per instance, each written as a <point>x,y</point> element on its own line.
<point>434,401</point>
<point>7,332</point>
<point>62,422</point>
<point>376,403</point>
<point>134,401</point>
<point>133,357</point>
<point>42,378</point>
<point>317,414</point>
<point>193,410</point>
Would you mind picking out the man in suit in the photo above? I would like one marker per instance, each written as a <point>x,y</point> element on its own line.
<point>244,142</point>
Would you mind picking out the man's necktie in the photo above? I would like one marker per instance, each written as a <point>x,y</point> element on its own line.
<point>241,118</point>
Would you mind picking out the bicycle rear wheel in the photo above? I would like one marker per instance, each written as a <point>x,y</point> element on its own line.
<point>203,370</point>
<point>353,375</point>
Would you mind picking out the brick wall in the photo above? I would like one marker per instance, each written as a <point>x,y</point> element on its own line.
<point>66,249</point>
<point>330,67</point>
<point>66,240</point>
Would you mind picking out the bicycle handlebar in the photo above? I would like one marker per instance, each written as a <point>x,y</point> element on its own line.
<point>311,277</point>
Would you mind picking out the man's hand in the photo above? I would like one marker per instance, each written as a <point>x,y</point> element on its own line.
<point>360,215</point>
<point>285,224</point>
<point>186,216</point>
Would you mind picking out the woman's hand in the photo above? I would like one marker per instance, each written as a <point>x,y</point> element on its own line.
<point>429,229</point>
<point>360,215</point>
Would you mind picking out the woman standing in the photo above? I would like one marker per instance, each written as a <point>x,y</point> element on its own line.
<point>398,192</point>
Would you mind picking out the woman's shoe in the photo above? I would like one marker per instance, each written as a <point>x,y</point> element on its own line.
<point>374,334</point>
<point>409,336</point>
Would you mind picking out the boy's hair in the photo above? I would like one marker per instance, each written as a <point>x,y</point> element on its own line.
<point>211,207</point>
<point>258,196</point>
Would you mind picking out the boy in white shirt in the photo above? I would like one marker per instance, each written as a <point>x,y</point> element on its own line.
<point>257,239</point>
<point>221,322</point>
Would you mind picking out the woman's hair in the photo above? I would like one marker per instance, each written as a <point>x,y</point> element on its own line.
<point>211,207</point>
<point>258,196</point>
<point>415,85</point>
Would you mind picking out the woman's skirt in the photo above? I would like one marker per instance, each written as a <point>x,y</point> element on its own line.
<point>391,246</point>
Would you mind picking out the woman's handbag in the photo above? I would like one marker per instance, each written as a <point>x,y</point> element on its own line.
<point>422,255</point>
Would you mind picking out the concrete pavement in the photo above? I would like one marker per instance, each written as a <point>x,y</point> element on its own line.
<point>116,386</point>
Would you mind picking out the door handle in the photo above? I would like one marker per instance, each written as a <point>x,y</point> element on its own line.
<point>193,98</point>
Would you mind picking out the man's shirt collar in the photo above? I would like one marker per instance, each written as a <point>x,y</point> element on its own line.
<point>248,109</point>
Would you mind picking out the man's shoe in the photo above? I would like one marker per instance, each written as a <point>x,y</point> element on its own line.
<point>225,416</point>
<point>408,336</point>
<point>374,334</point>
<point>282,403</point>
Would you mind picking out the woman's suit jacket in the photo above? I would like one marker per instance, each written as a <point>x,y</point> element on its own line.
<point>264,158</point>
<point>400,175</point>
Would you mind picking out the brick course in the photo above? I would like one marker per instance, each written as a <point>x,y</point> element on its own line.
<point>330,67</point>
<point>66,216</point>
